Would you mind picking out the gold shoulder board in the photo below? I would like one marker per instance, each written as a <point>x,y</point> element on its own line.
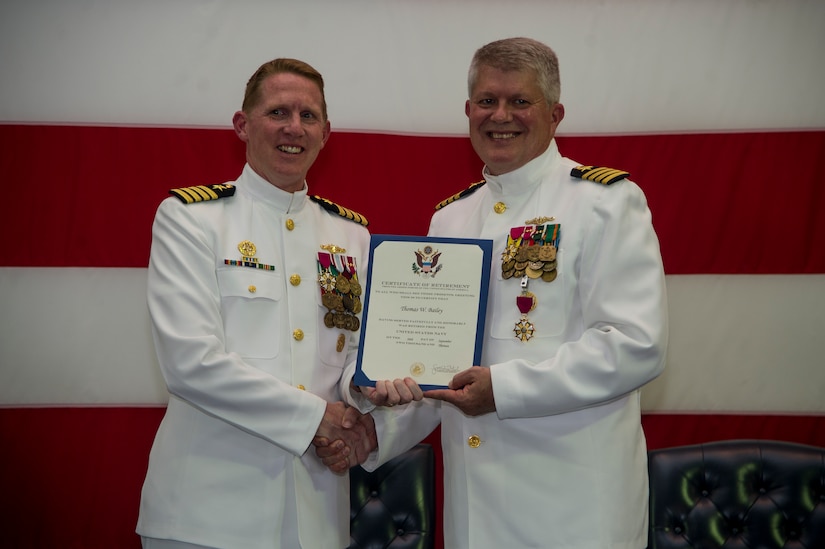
<point>605,176</point>
<point>340,210</point>
<point>466,192</point>
<point>202,193</point>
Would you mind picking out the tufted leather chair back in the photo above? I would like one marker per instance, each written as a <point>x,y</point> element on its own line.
<point>737,494</point>
<point>394,506</point>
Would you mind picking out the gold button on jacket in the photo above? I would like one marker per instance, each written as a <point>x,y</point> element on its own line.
<point>473,441</point>
<point>298,334</point>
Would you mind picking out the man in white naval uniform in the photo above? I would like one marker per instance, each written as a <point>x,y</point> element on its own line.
<point>543,444</point>
<point>254,295</point>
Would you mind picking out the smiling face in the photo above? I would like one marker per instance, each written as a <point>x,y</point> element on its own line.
<point>510,120</point>
<point>284,130</point>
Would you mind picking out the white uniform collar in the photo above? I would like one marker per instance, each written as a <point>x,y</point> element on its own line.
<point>261,189</point>
<point>526,178</point>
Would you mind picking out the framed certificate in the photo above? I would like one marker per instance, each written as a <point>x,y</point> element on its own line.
<point>424,308</point>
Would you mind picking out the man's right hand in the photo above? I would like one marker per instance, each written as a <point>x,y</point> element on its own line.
<point>344,438</point>
<point>391,392</point>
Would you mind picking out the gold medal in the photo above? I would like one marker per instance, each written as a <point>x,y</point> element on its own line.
<point>532,273</point>
<point>547,252</point>
<point>331,301</point>
<point>247,248</point>
<point>340,289</point>
<point>342,284</point>
<point>549,276</point>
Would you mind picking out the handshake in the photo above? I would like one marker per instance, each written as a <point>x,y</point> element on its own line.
<point>344,438</point>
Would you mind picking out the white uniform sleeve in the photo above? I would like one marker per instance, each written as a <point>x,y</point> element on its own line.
<point>402,427</point>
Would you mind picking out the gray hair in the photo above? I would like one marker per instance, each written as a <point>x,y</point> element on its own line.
<point>518,54</point>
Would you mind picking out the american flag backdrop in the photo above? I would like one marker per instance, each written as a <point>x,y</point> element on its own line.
<point>714,107</point>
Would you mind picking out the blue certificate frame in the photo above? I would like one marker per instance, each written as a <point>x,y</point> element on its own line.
<point>424,308</point>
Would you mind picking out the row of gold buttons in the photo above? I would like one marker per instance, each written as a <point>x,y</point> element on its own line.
<point>474,441</point>
<point>295,279</point>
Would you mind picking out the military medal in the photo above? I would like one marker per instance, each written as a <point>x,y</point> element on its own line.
<point>525,302</point>
<point>531,251</point>
<point>248,251</point>
<point>340,289</point>
<point>530,254</point>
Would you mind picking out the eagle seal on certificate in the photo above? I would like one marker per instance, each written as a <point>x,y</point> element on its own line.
<point>426,262</point>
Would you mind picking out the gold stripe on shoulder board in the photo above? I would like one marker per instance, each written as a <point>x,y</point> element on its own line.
<point>340,210</point>
<point>599,174</point>
<point>466,192</point>
<point>203,193</point>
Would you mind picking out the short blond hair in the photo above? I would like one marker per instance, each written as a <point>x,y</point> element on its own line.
<point>252,94</point>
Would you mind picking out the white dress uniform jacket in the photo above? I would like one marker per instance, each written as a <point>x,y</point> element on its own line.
<point>562,461</point>
<point>249,365</point>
